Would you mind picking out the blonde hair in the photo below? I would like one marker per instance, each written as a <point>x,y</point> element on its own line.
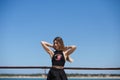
<point>60,40</point>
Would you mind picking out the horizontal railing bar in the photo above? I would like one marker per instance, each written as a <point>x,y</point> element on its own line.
<point>46,67</point>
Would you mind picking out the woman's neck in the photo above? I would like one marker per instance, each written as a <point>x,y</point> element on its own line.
<point>59,50</point>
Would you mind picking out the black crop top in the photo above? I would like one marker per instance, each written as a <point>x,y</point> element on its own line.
<point>58,59</point>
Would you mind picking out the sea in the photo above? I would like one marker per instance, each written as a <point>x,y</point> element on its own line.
<point>68,79</point>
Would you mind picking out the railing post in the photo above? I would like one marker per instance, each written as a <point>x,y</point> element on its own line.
<point>45,73</point>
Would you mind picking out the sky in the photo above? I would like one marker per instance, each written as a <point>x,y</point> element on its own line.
<point>92,25</point>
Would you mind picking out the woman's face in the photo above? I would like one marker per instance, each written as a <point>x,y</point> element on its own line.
<point>56,45</point>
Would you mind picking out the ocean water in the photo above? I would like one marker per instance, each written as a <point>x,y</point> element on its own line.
<point>45,79</point>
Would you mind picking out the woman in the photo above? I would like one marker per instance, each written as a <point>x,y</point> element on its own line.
<point>58,58</point>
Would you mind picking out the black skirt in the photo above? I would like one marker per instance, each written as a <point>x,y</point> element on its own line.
<point>56,74</point>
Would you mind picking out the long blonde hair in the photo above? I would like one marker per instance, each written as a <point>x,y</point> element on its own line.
<point>60,40</point>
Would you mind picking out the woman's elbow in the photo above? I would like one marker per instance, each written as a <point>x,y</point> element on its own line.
<point>42,42</point>
<point>74,47</point>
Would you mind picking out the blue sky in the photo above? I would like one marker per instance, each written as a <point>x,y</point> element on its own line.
<point>92,25</point>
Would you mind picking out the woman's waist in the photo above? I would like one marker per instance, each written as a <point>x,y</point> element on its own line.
<point>57,67</point>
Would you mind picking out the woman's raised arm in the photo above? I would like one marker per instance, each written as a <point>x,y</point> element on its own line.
<point>70,49</point>
<point>47,46</point>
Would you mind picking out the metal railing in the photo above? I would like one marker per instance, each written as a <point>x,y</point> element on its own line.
<point>47,67</point>
<point>44,76</point>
